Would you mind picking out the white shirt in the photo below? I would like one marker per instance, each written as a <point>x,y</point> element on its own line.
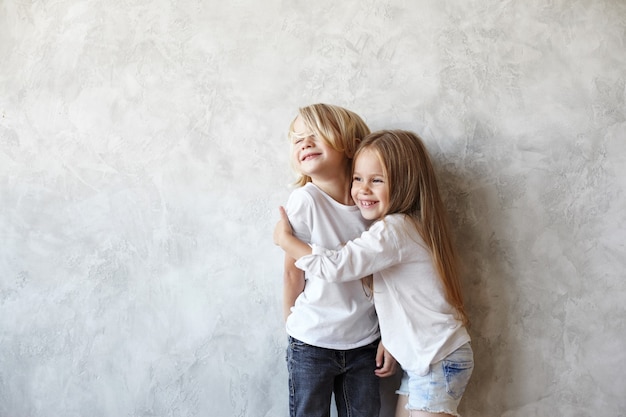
<point>332,315</point>
<point>417,324</point>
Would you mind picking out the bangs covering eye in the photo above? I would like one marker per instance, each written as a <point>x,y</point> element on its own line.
<point>303,135</point>
<point>294,136</point>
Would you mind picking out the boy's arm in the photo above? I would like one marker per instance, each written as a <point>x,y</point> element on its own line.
<point>283,237</point>
<point>293,285</point>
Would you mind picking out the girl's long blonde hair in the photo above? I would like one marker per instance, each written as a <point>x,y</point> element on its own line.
<point>341,128</point>
<point>413,191</point>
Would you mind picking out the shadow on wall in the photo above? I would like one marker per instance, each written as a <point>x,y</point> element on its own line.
<point>484,267</point>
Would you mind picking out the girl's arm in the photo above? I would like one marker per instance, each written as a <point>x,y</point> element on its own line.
<point>375,250</point>
<point>283,237</point>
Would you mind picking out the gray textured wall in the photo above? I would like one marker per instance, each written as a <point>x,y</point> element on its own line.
<point>143,155</point>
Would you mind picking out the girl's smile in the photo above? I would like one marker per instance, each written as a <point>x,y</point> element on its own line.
<point>370,190</point>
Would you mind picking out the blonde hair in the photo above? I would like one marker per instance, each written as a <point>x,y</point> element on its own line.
<point>340,128</point>
<point>413,191</point>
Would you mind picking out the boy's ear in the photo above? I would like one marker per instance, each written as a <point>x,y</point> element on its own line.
<point>357,142</point>
<point>350,152</point>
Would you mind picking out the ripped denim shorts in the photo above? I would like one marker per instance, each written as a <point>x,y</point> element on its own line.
<point>440,390</point>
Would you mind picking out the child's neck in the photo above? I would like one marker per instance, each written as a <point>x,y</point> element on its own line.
<point>338,189</point>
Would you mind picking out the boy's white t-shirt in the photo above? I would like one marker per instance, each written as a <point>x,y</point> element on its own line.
<point>332,315</point>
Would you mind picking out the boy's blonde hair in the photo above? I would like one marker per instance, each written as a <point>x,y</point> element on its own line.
<point>340,128</point>
<point>413,191</point>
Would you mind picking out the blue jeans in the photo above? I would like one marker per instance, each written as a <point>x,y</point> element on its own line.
<point>316,373</point>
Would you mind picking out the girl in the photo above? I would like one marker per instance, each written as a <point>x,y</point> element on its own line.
<point>416,281</point>
<point>333,328</point>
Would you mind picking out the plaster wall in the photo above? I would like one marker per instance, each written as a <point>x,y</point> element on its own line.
<point>143,155</point>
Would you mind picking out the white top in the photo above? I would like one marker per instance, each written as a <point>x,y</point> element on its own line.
<point>417,324</point>
<point>332,315</point>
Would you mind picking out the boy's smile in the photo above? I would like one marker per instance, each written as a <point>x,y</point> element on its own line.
<point>313,156</point>
<point>310,155</point>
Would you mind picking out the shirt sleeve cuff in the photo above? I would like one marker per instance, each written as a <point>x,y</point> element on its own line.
<point>316,250</point>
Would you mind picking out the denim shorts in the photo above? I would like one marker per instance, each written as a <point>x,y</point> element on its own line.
<point>440,390</point>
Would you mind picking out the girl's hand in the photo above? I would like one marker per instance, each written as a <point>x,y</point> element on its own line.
<point>283,228</point>
<point>283,237</point>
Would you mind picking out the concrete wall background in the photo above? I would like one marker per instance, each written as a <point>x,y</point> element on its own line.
<point>143,155</point>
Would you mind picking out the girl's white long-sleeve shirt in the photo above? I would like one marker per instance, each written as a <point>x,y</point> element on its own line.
<point>418,326</point>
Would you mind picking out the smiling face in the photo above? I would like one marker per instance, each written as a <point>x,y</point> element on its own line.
<point>370,188</point>
<point>313,156</point>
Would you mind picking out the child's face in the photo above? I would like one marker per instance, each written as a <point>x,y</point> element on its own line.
<point>312,156</point>
<point>370,190</point>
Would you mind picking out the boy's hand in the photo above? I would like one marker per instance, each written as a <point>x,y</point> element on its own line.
<point>386,364</point>
<point>283,228</point>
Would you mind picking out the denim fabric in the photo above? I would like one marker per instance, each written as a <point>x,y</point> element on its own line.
<point>316,373</point>
<point>440,390</point>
